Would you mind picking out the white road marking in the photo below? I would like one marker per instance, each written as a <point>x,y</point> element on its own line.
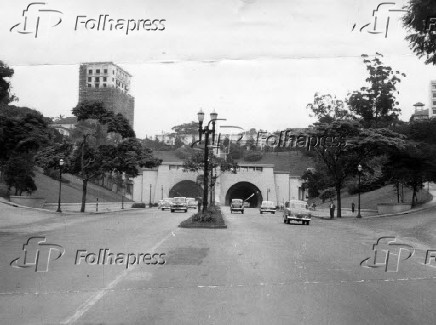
<point>101,293</point>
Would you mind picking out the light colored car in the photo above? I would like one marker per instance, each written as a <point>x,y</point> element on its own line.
<point>192,203</point>
<point>179,203</point>
<point>165,204</point>
<point>268,206</point>
<point>294,212</point>
<point>237,205</point>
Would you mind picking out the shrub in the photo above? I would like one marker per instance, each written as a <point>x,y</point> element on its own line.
<point>54,174</point>
<point>138,205</point>
<point>253,156</point>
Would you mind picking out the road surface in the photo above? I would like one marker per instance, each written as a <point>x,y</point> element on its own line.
<point>258,271</point>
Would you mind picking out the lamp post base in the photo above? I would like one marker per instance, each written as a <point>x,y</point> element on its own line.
<point>59,210</point>
<point>359,215</point>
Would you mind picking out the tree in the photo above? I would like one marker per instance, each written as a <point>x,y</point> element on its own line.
<point>326,108</point>
<point>314,182</point>
<point>412,166</point>
<point>421,30</point>
<point>23,132</point>
<point>186,128</point>
<point>5,92</point>
<point>96,153</point>
<point>340,162</point>
<point>376,104</point>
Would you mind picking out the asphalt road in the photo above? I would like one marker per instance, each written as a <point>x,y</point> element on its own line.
<point>258,271</point>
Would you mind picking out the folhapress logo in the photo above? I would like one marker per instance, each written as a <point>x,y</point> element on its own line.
<point>35,15</point>
<point>388,254</point>
<point>38,254</point>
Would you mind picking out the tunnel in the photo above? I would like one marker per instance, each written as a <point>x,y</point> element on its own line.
<point>186,189</point>
<point>245,191</point>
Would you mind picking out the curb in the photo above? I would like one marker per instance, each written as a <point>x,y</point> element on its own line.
<point>379,215</point>
<point>15,205</point>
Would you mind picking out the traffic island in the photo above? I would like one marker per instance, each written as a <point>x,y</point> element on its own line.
<point>212,219</point>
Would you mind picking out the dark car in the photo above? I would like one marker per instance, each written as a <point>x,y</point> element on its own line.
<point>237,205</point>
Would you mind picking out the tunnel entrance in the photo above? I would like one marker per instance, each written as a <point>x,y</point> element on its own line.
<point>246,191</point>
<point>186,189</point>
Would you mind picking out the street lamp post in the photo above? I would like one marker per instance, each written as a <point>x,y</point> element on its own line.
<point>161,192</point>
<point>206,131</point>
<point>359,168</point>
<point>61,162</point>
<point>123,176</point>
<point>267,194</point>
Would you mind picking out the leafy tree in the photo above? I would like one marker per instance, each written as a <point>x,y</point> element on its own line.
<point>412,166</point>
<point>314,182</point>
<point>376,103</point>
<point>422,33</point>
<point>326,108</point>
<point>338,163</point>
<point>186,128</point>
<point>96,154</point>
<point>5,92</point>
<point>22,133</point>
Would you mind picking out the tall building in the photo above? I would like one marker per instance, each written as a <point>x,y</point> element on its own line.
<point>432,106</point>
<point>107,82</point>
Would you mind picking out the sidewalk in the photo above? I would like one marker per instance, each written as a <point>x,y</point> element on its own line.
<point>367,213</point>
<point>12,214</point>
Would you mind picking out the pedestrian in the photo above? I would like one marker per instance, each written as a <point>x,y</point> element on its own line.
<point>332,210</point>
<point>352,207</point>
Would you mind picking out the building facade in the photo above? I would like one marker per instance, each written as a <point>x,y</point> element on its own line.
<point>107,82</point>
<point>432,106</point>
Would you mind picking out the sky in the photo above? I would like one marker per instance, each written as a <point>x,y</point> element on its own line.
<point>257,63</point>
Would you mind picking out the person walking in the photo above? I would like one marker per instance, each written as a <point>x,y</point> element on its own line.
<point>352,207</point>
<point>332,210</point>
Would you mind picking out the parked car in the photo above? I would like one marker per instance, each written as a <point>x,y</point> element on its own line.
<point>179,203</point>
<point>246,204</point>
<point>268,206</point>
<point>237,205</point>
<point>192,203</point>
<point>294,212</point>
<point>165,204</point>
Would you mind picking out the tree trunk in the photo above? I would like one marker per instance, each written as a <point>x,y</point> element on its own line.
<point>84,188</point>
<point>338,201</point>
<point>414,196</point>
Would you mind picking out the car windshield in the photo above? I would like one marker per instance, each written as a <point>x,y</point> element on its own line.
<point>268,204</point>
<point>179,200</point>
<point>237,201</point>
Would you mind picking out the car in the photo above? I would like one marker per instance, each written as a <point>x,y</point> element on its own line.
<point>246,204</point>
<point>165,204</point>
<point>192,203</point>
<point>296,212</point>
<point>268,206</point>
<point>179,203</point>
<point>237,205</point>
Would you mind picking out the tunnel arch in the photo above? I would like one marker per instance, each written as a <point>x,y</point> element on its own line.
<point>243,190</point>
<point>186,188</point>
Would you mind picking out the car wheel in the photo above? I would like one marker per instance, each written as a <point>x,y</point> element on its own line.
<point>242,211</point>
<point>186,210</point>
<point>172,210</point>
<point>261,212</point>
<point>273,213</point>
<point>288,221</point>
<point>284,220</point>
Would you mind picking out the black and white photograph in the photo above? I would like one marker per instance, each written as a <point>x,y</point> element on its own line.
<point>218,162</point>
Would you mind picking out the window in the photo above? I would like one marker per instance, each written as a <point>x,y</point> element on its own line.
<point>89,79</point>
<point>259,169</point>
<point>97,71</point>
<point>97,85</point>
<point>434,102</point>
<point>434,111</point>
<point>104,79</point>
<point>105,71</point>
<point>113,71</point>
<point>90,71</point>
<point>89,85</point>
<point>97,79</point>
<point>104,85</point>
<point>434,95</point>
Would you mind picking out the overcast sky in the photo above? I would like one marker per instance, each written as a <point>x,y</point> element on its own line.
<point>256,62</point>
